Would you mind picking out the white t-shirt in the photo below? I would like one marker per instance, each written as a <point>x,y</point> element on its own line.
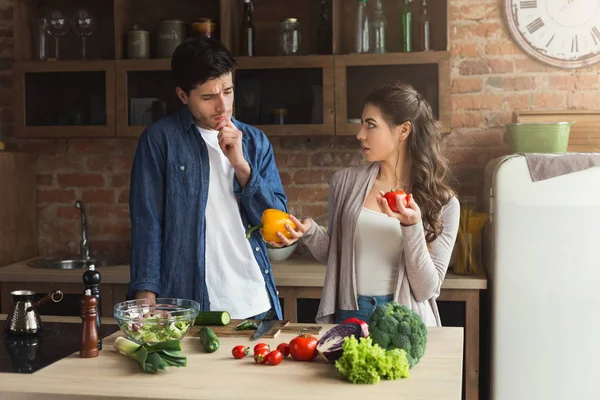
<point>233,276</point>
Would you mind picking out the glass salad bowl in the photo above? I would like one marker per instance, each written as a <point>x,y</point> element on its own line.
<point>157,320</point>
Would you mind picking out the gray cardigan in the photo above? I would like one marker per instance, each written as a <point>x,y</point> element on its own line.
<point>421,268</point>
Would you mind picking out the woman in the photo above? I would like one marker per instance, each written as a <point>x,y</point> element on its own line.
<point>373,254</point>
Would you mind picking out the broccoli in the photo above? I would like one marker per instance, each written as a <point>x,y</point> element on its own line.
<point>395,326</point>
<point>365,362</point>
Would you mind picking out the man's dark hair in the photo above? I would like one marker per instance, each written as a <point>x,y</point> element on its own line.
<point>198,60</point>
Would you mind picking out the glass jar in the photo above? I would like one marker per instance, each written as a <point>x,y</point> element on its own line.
<point>289,37</point>
<point>204,27</point>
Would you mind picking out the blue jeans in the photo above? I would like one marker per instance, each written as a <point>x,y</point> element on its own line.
<point>366,306</point>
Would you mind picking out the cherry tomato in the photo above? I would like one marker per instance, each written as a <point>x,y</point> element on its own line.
<point>261,346</point>
<point>274,357</point>
<point>284,348</point>
<point>260,357</point>
<point>304,347</point>
<point>240,351</point>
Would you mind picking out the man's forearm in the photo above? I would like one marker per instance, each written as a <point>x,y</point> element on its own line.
<point>242,174</point>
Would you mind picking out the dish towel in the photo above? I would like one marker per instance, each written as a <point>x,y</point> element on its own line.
<point>546,166</point>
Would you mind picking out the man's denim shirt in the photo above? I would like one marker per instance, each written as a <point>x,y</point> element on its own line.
<point>167,200</point>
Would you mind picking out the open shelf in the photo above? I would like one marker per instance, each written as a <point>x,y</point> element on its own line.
<point>345,22</point>
<point>100,44</point>
<point>266,18</point>
<point>82,99</point>
<point>326,68</point>
<point>359,77</point>
<point>147,14</point>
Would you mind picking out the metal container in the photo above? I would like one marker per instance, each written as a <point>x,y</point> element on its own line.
<point>171,32</point>
<point>544,137</point>
<point>23,317</point>
<point>138,43</point>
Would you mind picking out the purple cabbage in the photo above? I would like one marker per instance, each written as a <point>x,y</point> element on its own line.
<point>330,345</point>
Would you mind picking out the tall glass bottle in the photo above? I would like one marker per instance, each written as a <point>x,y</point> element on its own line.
<point>324,30</point>
<point>406,26</point>
<point>379,27</point>
<point>424,28</point>
<point>362,41</point>
<point>248,36</point>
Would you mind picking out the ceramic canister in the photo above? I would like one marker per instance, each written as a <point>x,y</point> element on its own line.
<point>171,32</point>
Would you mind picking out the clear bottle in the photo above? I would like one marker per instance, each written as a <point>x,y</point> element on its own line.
<point>248,35</point>
<point>379,28</point>
<point>362,42</point>
<point>424,28</point>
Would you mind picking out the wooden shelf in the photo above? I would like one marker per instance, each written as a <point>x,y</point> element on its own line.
<point>439,59</point>
<point>269,130</point>
<point>296,130</point>
<point>426,57</point>
<point>126,78</point>
<point>64,66</point>
<point>285,62</point>
<point>152,64</point>
<point>67,131</point>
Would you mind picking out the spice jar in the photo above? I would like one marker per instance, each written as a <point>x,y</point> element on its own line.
<point>289,37</point>
<point>204,27</point>
<point>171,32</point>
<point>138,43</point>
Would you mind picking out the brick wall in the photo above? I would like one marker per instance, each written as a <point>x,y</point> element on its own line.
<point>491,77</point>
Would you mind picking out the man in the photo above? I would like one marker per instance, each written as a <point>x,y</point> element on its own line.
<point>199,180</point>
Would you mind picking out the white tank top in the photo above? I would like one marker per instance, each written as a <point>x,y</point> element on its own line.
<point>379,247</point>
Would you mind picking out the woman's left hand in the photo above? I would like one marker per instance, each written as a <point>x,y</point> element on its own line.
<point>408,214</point>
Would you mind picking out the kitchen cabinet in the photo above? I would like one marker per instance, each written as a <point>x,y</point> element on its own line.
<point>18,207</point>
<point>320,90</point>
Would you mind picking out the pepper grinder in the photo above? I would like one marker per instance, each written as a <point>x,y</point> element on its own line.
<point>89,334</point>
<point>91,280</point>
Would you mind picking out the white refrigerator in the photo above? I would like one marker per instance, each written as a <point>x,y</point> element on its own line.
<point>542,257</point>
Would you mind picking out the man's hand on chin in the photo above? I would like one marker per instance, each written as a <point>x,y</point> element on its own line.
<point>230,142</point>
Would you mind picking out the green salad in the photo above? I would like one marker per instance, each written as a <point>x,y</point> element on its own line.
<point>156,327</point>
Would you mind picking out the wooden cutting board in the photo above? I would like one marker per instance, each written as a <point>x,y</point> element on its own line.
<point>285,325</point>
<point>229,330</point>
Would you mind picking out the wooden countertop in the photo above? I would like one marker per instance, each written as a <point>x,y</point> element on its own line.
<point>294,272</point>
<point>219,376</point>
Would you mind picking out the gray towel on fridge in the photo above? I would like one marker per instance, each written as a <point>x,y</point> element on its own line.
<point>546,166</point>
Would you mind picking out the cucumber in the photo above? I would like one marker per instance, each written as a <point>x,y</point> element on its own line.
<point>209,339</point>
<point>221,318</point>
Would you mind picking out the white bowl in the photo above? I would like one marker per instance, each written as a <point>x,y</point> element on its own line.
<point>282,253</point>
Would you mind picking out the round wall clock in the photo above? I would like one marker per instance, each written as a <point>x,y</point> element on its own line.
<point>563,33</point>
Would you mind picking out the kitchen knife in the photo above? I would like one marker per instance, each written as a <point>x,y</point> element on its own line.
<point>266,325</point>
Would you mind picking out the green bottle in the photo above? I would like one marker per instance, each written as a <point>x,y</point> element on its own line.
<point>406,26</point>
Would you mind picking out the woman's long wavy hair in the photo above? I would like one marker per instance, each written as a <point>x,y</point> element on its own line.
<point>400,102</point>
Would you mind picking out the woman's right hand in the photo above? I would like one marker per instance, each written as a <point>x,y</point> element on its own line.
<point>301,228</point>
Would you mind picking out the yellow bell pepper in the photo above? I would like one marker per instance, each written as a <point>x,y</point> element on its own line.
<point>273,221</point>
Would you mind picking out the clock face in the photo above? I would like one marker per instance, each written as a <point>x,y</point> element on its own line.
<point>563,33</point>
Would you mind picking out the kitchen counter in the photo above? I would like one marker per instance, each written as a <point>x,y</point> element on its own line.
<point>296,278</point>
<point>295,272</point>
<point>219,376</point>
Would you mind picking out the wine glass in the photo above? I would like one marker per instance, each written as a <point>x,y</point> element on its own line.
<point>57,26</point>
<point>84,24</point>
